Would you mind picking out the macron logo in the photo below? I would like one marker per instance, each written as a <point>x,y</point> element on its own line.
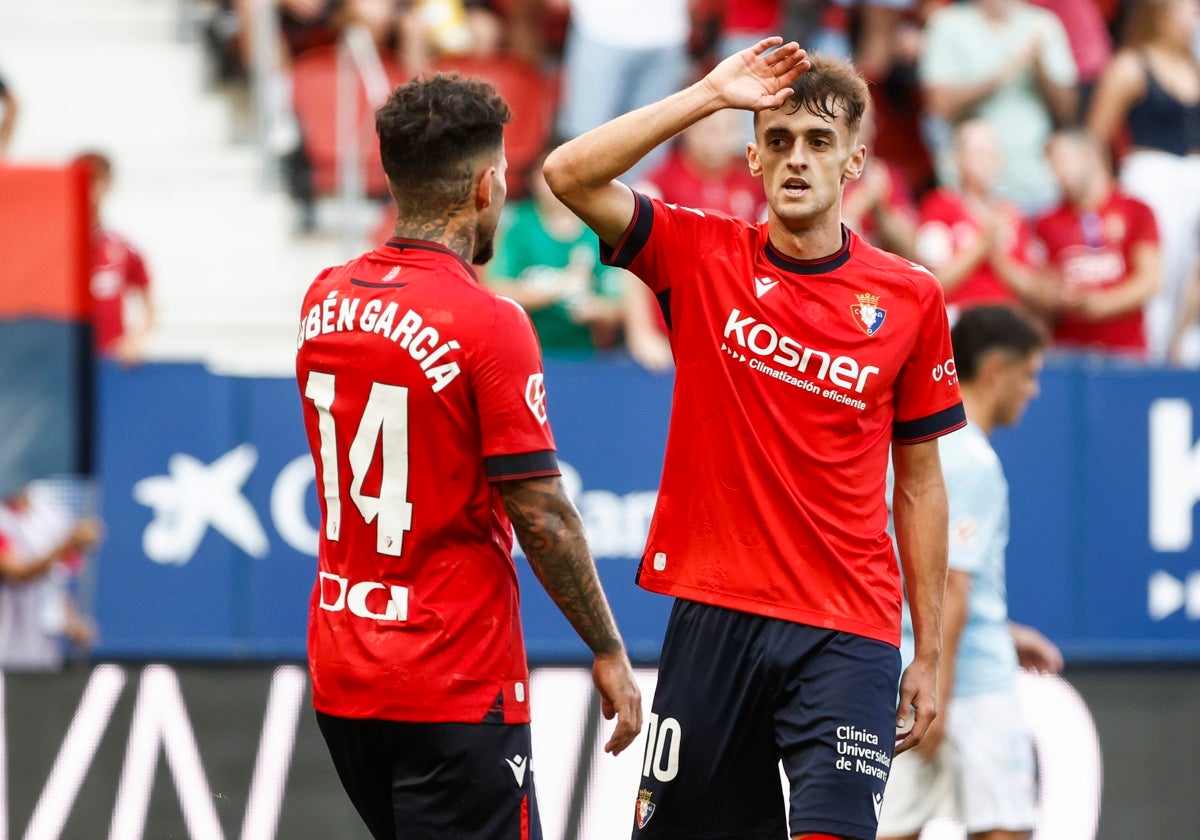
<point>518,764</point>
<point>762,285</point>
<point>878,803</point>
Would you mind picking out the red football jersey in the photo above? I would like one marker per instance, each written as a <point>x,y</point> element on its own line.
<point>1092,251</point>
<point>946,228</point>
<point>116,268</point>
<point>792,380</point>
<point>421,389</point>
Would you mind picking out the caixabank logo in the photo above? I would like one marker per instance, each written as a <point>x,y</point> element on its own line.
<point>193,497</point>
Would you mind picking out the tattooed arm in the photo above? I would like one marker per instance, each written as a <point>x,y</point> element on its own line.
<point>550,531</point>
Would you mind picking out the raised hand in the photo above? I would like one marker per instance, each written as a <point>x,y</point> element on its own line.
<point>755,79</point>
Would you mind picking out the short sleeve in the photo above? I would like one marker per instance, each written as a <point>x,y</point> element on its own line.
<point>1142,227</point>
<point>665,243</point>
<point>927,399</point>
<point>135,272</point>
<point>510,396</point>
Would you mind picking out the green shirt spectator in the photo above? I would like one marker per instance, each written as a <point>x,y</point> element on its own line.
<point>549,262</point>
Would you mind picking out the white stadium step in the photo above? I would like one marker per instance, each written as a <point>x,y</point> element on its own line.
<point>121,76</point>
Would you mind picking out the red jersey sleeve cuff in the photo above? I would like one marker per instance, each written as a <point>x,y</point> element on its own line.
<point>927,428</point>
<point>635,237</point>
<point>524,465</point>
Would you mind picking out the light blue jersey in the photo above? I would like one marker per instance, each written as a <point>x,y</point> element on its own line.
<point>978,492</point>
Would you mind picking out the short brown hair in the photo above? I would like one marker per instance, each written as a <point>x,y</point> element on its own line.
<point>431,130</point>
<point>830,82</point>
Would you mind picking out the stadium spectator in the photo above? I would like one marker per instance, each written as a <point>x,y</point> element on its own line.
<point>801,354</point>
<point>418,664</point>
<point>620,55</point>
<point>976,761</point>
<point>8,116</point>
<point>429,28</point>
<point>1102,248</point>
<point>1150,95</point>
<point>1091,43</point>
<point>977,244</point>
<point>1008,63</point>
<point>119,276</point>
<point>41,550</point>
<point>878,206</point>
<point>548,261</point>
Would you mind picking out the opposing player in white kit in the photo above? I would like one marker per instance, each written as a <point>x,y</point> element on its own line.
<point>976,762</point>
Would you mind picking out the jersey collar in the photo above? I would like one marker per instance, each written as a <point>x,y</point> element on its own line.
<point>823,265</point>
<point>401,244</point>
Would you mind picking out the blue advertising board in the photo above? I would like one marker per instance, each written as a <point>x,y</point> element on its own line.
<point>211,513</point>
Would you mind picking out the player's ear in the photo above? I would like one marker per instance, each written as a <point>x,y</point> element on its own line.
<point>752,158</point>
<point>483,188</point>
<point>858,160</point>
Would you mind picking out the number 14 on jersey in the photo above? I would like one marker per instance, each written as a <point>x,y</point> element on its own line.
<point>384,424</point>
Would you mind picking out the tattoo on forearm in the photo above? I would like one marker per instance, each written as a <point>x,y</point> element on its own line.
<point>551,533</point>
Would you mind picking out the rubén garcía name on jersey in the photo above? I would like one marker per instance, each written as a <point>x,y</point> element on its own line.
<point>793,378</point>
<point>421,389</point>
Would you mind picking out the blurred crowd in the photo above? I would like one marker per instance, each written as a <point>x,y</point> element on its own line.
<point>1044,153</point>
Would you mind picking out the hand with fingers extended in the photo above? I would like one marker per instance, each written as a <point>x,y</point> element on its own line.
<point>620,697</point>
<point>760,76</point>
<point>918,691</point>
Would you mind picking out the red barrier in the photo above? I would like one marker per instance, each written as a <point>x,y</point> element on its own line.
<point>44,242</point>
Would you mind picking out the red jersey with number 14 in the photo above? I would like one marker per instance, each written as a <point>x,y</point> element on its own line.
<point>793,378</point>
<point>421,389</point>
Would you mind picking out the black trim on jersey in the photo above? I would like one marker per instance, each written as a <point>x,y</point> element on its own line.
<point>401,244</point>
<point>524,465</point>
<point>664,303</point>
<point>495,715</point>
<point>354,281</point>
<point>927,428</point>
<point>819,266</point>
<point>635,237</point>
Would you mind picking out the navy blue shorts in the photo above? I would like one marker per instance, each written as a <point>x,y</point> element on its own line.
<point>737,693</point>
<point>430,781</point>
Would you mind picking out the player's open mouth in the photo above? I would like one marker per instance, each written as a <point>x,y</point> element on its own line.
<point>795,187</point>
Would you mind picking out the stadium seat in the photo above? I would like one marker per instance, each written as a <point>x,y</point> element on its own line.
<point>314,97</point>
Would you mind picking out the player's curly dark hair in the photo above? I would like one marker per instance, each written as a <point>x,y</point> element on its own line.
<point>431,132</point>
<point>980,330</point>
<point>830,82</point>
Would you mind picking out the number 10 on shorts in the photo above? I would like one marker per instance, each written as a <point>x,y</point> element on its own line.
<point>662,748</point>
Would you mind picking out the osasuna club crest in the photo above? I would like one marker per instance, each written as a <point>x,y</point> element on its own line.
<point>645,808</point>
<point>867,313</point>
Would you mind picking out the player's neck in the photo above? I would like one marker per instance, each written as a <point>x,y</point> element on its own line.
<point>447,232</point>
<point>822,239</point>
